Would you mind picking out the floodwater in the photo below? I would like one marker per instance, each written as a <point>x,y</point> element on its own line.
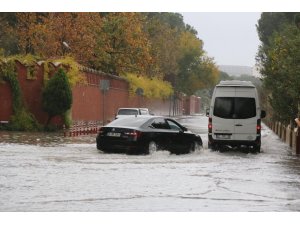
<point>48,172</point>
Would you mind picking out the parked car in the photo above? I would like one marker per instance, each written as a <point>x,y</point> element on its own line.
<point>125,112</point>
<point>235,116</point>
<point>145,135</point>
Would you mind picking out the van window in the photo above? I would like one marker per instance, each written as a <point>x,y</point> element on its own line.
<point>234,107</point>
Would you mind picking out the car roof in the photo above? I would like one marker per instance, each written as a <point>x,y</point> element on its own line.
<point>137,121</point>
<point>132,108</point>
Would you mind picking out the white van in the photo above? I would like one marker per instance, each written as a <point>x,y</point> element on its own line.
<point>235,116</point>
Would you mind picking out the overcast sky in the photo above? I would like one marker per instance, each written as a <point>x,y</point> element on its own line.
<point>229,37</point>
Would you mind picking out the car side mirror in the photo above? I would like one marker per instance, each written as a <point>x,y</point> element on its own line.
<point>263,114</point>
<point>184,129</point>
<point>207,112</point>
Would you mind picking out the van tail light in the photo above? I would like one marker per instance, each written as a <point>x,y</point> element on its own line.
<point>258,126</point>
<point>209,125</point>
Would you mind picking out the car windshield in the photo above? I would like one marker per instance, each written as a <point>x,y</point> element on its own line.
<point>127,112</point>
<point>234,108</point>
<point>128,122</point>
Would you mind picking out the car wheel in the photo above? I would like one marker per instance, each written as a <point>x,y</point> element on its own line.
<point>152,147</point>
<point>194,146</point>
<point>197,146</point>
<point>98,147</point>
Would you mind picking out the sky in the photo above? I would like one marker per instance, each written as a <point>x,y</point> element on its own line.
<point>227,28</point>
<point>229,37</point>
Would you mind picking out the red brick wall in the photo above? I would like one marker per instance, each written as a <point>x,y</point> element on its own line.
<point>6,109</point>
<point>32,91</point>
<point>87,98</point>
<point>192,105</point>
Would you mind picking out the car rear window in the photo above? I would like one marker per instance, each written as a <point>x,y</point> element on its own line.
<point>144,112</point>
<point>128,112</point>
<point>234,107</point>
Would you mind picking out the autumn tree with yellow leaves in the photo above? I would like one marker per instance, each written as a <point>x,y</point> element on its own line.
<point>122,44</point>
<point>59,34</point>
<point>153,45</point>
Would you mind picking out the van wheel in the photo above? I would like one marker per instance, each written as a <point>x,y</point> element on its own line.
<point>212,147</point>
<point>256,149</point>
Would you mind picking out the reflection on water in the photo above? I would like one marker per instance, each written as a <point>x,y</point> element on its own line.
<point>43,138</point>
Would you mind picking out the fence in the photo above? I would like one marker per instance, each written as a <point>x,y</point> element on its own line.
<point>287,134</point>
<point>82,128</point>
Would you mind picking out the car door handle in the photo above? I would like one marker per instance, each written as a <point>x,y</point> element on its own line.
<point>238,125</point>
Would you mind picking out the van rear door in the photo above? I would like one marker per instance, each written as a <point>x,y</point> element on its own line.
<point>234,114</point>
<point>223,123</point>
<point>245,114</point>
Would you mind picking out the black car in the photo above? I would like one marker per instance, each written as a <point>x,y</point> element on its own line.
<point>146,134</point>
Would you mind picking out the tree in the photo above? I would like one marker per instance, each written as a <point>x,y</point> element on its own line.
<point>59,34</point>
<point>164,40</point>
<point>57,95</point>
<point>279,57</point>
<point>122,44</point>
<point>196,69</point>
<point>8,39</point>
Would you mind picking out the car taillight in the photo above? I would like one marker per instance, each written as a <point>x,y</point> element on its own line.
<point>134,134</point>
<point>209,125</point>
<point>258,126</point>
<point>101,130</point>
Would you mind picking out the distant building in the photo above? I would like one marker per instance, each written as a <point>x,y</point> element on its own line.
<point>236,70</point>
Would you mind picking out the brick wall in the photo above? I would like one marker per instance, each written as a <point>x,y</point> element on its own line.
<point>88,99</point>
<point>6,109</point>
<point>192,105</point>
<point>31,89</point>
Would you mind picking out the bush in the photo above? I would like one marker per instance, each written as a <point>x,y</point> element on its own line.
<point>152,87</point>
<point>57,95</point>
<point>23,120</point>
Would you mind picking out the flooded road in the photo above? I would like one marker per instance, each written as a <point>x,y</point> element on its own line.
<point>47,172</point>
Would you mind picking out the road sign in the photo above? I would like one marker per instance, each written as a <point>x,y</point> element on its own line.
<point>104,85</point>
<point>139,91</point>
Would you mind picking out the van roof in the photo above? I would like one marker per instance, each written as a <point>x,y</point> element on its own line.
<point>235,83</point>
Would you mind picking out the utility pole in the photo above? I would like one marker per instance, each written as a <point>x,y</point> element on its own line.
<point>104,87</point>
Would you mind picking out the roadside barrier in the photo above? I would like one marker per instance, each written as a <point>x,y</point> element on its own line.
<point>287,134</point>
<point>82,128</point>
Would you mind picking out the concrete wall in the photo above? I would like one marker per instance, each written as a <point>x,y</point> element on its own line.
<point>288,135</point>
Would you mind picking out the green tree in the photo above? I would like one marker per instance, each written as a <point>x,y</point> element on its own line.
<point>57,95</point>
<point>8,39</point>
<point>196,69</point>
<point>164,38</point>
<point>279,57</point>
<point>122,44</point>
